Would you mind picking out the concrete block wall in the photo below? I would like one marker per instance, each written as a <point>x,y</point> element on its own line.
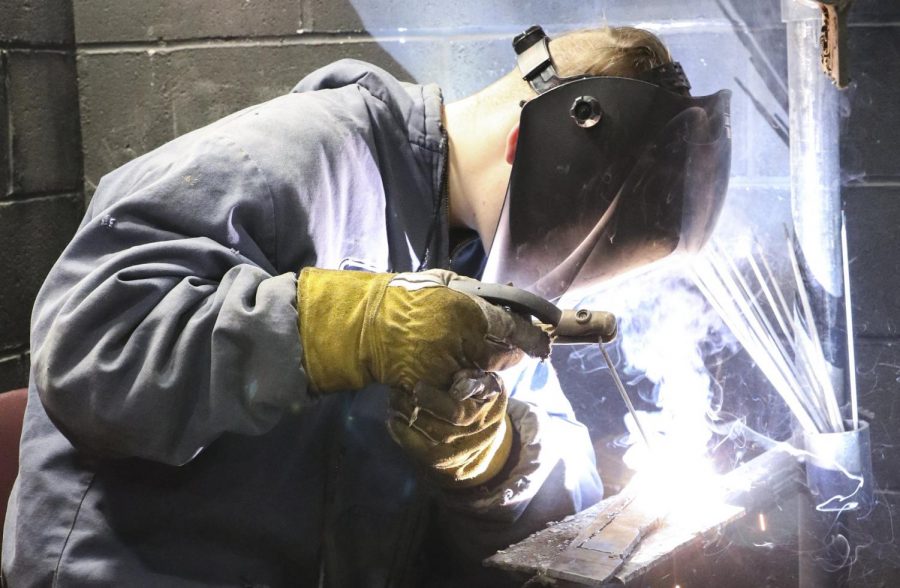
<point>152,70</point>
<point>41,200</point>
<point>89,84</point>
<point>870,162</point>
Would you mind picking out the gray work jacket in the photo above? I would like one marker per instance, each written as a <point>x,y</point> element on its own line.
<point>170,437</point>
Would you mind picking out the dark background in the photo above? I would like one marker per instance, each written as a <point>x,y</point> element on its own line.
<point>86,85</point>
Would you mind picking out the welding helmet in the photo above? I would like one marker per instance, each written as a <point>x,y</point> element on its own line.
<point>610,174</point>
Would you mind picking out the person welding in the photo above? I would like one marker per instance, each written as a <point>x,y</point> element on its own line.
<point>216,352</point>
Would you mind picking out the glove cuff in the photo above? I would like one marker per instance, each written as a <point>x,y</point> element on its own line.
<point>332,305</point>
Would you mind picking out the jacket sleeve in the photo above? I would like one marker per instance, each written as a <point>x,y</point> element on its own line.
<point>552,474</point>
<point>165,323</point>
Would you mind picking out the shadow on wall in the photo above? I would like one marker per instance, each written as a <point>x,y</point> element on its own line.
<point>178,69</point>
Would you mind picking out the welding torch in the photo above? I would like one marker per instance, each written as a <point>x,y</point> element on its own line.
<point>566,327</point>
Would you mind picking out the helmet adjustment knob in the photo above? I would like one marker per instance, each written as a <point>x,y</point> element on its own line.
<point>586,111</point>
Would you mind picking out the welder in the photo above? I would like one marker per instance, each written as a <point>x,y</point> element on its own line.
<point>216,353</point>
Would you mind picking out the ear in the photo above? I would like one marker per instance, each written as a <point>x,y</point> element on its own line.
<point>512,139</point>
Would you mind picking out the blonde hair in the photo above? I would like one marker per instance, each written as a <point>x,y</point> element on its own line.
<point>612,51</point>
<point>609,51</point>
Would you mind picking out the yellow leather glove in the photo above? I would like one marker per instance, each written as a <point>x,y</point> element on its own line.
<point>461,436</point>
<point>403,330</point>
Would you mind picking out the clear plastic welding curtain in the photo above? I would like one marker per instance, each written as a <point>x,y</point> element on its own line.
<point>610,175</point>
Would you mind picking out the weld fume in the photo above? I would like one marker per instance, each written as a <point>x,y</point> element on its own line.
<point>667,330</point>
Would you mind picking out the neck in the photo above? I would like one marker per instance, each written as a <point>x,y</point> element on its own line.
<point>478,173</point>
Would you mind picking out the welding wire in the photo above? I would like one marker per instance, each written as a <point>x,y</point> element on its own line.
<point>810,363</point>
<point>785,308</point>
<point>755,306</point>
<point>816,393</point>
<point>830,397</point>
<point>765,362</point>
<point>812,356</point>
<point>621,388</point>
<point>782,321</point>
<point>848,309</point>
<point>713,287</point>
<point>800,399</point>
<point>813,379</point>
<point>766,327</point>
<point>776,367</point>
<point>780,316</point>
<point>814,385</point>
<point>750,307</point>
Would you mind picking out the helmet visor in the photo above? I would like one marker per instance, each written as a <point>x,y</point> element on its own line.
<point>585,204</point>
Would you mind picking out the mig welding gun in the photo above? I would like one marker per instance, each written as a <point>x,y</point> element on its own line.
<point>564,326</point>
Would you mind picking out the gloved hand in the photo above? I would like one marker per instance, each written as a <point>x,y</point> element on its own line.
<point>403,330</point>
<point>461,436</point>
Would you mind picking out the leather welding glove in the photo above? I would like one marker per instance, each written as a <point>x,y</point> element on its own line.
<point>461,436</point>
<point>403,330</point>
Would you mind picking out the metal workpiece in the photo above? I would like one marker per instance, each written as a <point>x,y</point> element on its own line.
<point>626,540</point>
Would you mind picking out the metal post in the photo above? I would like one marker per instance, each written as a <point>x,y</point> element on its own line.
<point>815,207</point>
<point>815,180</point>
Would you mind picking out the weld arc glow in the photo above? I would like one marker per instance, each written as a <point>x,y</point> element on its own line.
<point>682,486</point>
<point>666,330</point>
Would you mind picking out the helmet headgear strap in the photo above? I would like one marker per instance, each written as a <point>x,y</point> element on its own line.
<point>538,69</point>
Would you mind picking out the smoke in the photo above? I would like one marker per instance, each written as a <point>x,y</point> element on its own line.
<point>667,331</point>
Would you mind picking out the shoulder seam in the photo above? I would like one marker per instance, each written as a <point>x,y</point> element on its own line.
<point>234,143</point>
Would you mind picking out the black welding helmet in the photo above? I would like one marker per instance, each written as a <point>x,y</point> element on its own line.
<point>610,174</point>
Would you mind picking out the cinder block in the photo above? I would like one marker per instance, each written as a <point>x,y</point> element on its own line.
<point>878,382</point>
<point>32,235</point>
<point>123,111</point>
<point>43,113</point>
<point>873,214</point>
<point>397,16</point>
<point>756,15</point>
<point>5,179</point>
<point>14,372</point>
<point>876,560</point>
<point>101,21</point>
<point>869,138</point>
<point>36,21</point>
<point>207,84</point>
<point>874,11</point>
<point>134,102</point>
<point>510,16</point>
